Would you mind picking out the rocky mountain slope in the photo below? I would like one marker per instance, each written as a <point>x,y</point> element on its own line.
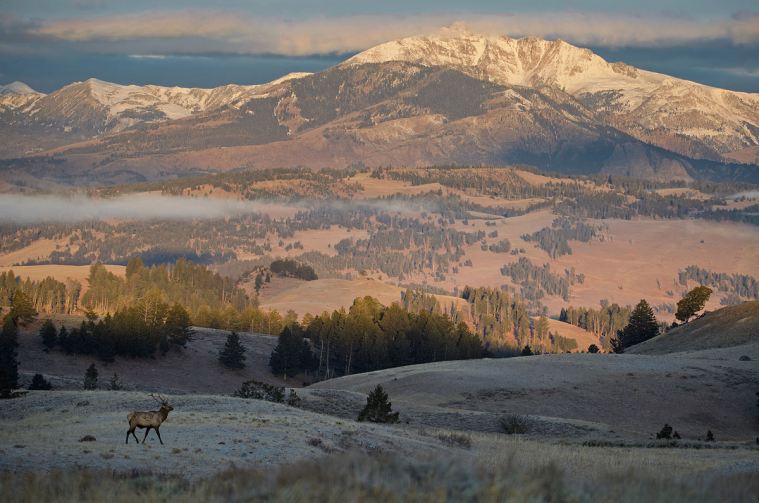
<point>650,106</point>
<point>453,98</point>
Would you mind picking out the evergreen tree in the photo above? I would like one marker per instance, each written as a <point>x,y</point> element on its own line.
<point>40,383</point>
<point>63,337</point>
<point>692,303</point>
<point>526,351</point>
<point>292,354</point>
<point>233,354</point>
<point>641,327</point>
<point>709,436</point>
<point>49,334</point>
<point>378,409</point>
<point>104,342</point>
<point>91,377</point>
<point>593,348</point>
<point>179,325</point>
<point>8,363</point>
<point>115,383</point>
<point>22,309</point>
<point>665,433</point>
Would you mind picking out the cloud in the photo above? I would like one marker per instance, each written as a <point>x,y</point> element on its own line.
<point>229,31</point>
<point>743,72</point>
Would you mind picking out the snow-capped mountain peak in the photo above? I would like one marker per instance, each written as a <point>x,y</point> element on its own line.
<point>16,95</point>
<point>722,120</point>
<point>16,88</point>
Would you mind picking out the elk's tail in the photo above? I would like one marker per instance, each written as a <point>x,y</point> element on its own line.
<point>130,416</point>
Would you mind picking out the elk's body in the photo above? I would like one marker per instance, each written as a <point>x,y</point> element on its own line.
<point>147,420</point>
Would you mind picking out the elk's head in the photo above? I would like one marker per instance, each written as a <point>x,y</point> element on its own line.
<point>164,403</point>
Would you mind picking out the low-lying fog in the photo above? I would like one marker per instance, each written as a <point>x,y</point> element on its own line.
<point>58,209</point>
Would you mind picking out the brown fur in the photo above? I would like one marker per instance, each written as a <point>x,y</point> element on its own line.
<point>147,420</point>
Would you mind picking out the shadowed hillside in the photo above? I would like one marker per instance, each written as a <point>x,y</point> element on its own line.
<point>724,328</point>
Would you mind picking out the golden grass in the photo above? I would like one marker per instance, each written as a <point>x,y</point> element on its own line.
<point>355,477</point>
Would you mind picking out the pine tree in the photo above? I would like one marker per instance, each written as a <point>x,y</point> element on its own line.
<point>91,378</point>
<point>665,433</point>
<point>115,383</point>
<point>593,348</point>
<point>692,303</point>
<point>709,436</point>
<point>526,351</point>
<point>178,325</point>
<point>8,363</point>
<point>49,334</point>
<point>233,354</point>
<point>40,383</point>
<point>22,309</point>
<point>292,354</point>
<point>641,327</point>
<point>63,338</point>
<point>104,342</point>
<point>378,409</point>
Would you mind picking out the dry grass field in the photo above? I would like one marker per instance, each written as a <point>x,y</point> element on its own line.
<point>321,295</point>
<point>569,395</point>
<point>227,449</point>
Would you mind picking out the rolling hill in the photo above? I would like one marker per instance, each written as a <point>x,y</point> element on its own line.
<point>733,328</point>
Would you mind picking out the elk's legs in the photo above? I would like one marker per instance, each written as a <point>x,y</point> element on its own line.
<point>147,430</point>
<point>135,436</point>
<point>159,435</point>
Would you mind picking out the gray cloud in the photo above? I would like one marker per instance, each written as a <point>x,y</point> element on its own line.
<point>233,32</point>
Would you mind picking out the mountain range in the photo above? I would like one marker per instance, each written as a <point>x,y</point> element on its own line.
<point>453,98</point>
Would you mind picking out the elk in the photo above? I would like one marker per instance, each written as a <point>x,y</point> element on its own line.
<point>147,420</point>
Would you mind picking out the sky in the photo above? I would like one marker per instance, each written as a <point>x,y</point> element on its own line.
<point>48,44</point>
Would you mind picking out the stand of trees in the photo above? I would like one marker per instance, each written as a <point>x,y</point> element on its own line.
<point>735,286</point>
<point>47,296</point>
<point>291,269</point>
<point>604,322</point>
<point>137,331</point>
<point>189,284</point>
<point>537,281</point>
<point>554,239</point>
<point>370,336</point>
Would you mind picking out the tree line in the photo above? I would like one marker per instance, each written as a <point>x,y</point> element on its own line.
<point>47,296</point>
<point>370,336</point>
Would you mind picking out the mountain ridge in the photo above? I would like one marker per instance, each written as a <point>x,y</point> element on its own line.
<point>459,98</point>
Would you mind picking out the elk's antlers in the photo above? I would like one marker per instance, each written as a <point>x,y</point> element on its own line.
<point>158,399</point>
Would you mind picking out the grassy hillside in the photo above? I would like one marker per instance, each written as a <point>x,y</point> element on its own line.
<point>572,395</point>
<point>724,328</point>
<point>228,449</point>
<point>192,370</point>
